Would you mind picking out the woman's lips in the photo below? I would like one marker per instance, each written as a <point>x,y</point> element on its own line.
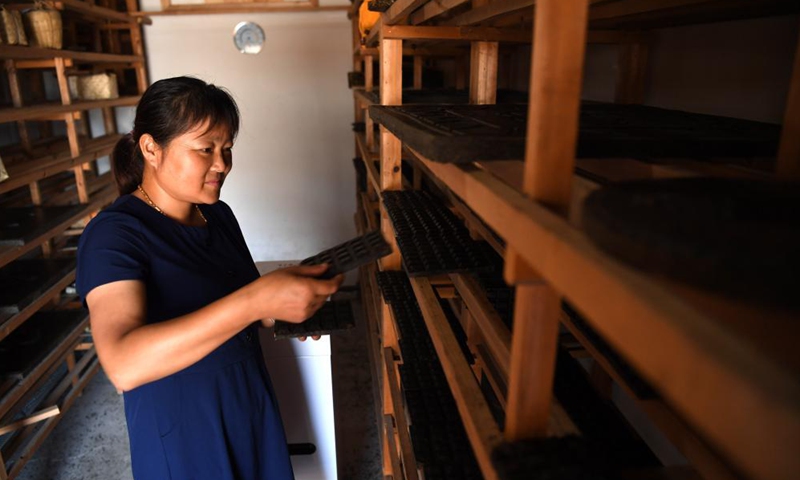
<point>214,183</point>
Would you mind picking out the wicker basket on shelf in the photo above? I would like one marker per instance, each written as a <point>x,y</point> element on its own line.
<point>3,172</point>
<point>44,25</point>
<point>101,86</point>
<point>11,30</point>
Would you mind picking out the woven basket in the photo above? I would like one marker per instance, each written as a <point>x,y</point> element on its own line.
<point>101,86</point>
<point>72,85</point>
<point>11,30</point>
<point>3,172</point>
<point>22,39</point>
<point>44,25</point>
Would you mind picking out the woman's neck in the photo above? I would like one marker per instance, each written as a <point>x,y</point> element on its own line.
<point>157,198</point>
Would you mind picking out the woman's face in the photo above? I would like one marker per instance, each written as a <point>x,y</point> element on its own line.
<point>193,166</point>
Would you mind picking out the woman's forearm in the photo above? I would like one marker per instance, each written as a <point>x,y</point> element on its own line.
<point>145,353</point>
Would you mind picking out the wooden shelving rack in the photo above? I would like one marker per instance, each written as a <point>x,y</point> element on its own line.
<point>55,171</point>
<point>726,372</point>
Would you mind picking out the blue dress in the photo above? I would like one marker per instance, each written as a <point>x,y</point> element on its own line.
<point>217,419</point>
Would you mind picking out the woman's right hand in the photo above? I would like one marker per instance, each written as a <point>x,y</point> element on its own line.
<point>293,294</point>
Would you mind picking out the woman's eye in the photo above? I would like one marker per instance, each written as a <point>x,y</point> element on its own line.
<point>207,150</point>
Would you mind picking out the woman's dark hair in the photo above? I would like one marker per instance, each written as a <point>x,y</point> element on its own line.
<point>169,108</point>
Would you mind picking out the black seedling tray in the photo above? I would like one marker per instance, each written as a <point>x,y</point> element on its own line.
<point>351,254</point>
<point>597,419</point>
<point>730,236</point>
<point>27,346</point>
<point>21,225</point>
<point>564,458</point>
<point>468,133</point>
<point>23,281</point>
<point>334,316</point>
<point>431,238</point>
<point>440,443</point>
<point>379,5</point>
<point>355,79</point>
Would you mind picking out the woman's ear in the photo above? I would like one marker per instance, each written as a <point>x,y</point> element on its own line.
<point>151,151</point>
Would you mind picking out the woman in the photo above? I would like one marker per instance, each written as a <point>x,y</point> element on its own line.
<point>175,297</point>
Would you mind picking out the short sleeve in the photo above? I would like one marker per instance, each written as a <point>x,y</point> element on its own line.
<point>111,248</point>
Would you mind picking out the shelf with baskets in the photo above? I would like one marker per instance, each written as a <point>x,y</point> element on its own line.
<point>60,121</point>
<point>696,349</point>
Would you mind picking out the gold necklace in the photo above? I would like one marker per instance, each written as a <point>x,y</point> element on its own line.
<point>150,202</point>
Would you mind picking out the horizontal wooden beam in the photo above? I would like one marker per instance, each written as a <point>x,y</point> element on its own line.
<point>43,111</point>
<point>696,359</point>
<point>433,9</point>
<point>263,7</point>
<point>400,10</point>
<point>32,437</point>
<point>36,417</point>
<point>13,52</point>
<point>23,173</point>
<point>92,10</point>
<point>471,34</point>
<point>45,366</point>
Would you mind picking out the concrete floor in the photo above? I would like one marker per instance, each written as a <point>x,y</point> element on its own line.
<point>91,441</point>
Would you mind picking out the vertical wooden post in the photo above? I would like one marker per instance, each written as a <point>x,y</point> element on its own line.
<point>138,49</point>
<point>71,367</point>
<point>16,99</point>
<point>109,121</point>
<point>417,72</point>
<point>391,148</point>
<point>369,85</point>
<point>369,131</point>
<point>72,132</point>
<point>788,166</point>
<point>632,73</point>
<point>556,78</point>
<point>483,73</point>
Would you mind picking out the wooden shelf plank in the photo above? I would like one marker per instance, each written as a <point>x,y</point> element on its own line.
<point>686,441</point>
<point>35,435</point>
<point>58,353</point>
<point>389,432</point>
<point>403,433</point>
<point>401,9</point>
<point>10,253</point>
<point>481,427</point>
<point>25,172</point>
<point>13,52</point>
<point>94,11</point>
<point>721,354</point>
<point>363,96</point>
<point>496,335</point>
<point>17,319</point>
<point>47,110</point>
<point>432,10</point>
<point>483,34</point>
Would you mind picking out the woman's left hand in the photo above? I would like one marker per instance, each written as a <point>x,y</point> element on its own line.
<point>315,337</point>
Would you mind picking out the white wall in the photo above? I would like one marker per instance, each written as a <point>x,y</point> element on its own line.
<point>292,182</point>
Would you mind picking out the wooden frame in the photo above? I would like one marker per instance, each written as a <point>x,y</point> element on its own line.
<point>241,6</point>
<point>723,354</point>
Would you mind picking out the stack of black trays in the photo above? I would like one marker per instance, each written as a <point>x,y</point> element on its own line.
<point>440,443</point>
